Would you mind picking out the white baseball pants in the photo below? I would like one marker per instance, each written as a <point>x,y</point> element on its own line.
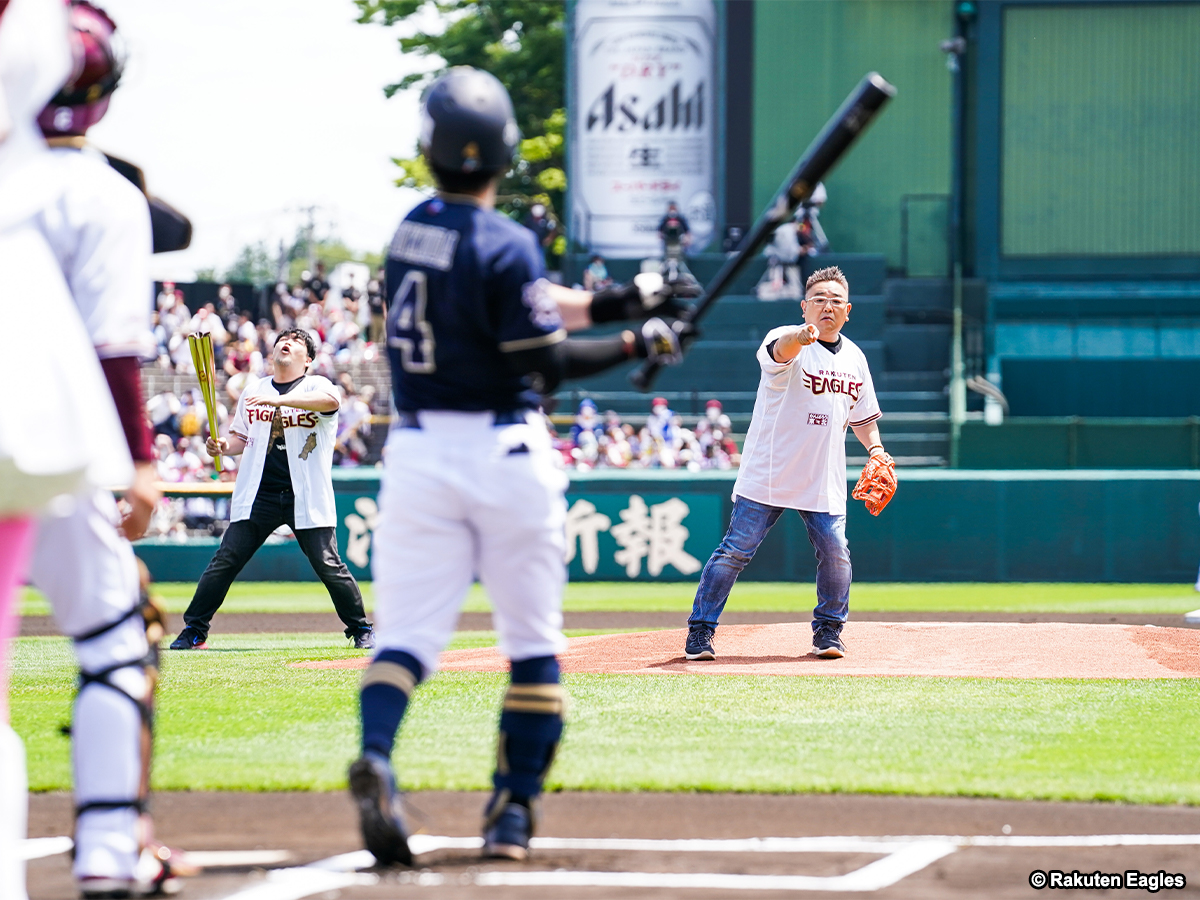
<point>463,499</point>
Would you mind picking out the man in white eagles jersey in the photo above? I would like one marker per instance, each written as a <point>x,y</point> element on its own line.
<point>285,428</point>
<point>814,384</point>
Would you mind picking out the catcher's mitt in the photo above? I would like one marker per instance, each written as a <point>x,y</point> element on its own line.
<point>877,483</point>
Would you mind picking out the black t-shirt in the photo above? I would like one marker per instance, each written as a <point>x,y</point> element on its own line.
<point>318,286</point>
<point>375,298</point>
<point>673,227</point>
<point>277,474</point>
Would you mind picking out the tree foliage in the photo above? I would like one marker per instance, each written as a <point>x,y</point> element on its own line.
<point>521,42</point>
<point>518,41</point>
<point>257,264</point>
<point>254,264</point>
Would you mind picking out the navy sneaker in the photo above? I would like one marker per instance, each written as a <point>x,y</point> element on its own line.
<point>827,642</point>
<point>189,639</point>
<point>365,640</point>
<point>699,643</point>
<point>507,828</point>
<point>380,812</point>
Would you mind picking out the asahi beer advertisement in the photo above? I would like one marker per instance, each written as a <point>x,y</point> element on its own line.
<point>643,123</point>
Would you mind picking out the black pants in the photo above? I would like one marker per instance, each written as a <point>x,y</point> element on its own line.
<point>243,538</point>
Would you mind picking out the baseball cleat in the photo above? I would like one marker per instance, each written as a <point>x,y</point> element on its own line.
<point>827,643</point>
<point>380,812</point>
<point>699,643</point>
<point>189,639</point>
<point>507,832</point>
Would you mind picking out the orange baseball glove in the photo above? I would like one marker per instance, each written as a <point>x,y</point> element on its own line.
<point>877,483</point>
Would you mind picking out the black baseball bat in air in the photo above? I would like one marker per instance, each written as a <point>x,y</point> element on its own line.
<point>835,139</point>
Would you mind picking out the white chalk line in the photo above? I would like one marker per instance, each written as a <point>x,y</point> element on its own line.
<point>902,855</point>
<point>38,848</point>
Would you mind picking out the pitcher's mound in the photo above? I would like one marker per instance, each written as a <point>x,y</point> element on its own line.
<point>944,649</point>
<point>941,649</point>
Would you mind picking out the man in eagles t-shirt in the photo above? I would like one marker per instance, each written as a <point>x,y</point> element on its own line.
<point>285,428</point>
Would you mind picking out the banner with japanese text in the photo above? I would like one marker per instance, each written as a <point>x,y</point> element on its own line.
<point>647,536</point>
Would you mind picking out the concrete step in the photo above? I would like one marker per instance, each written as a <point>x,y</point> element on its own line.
<point>903,462</point>
<point>868,316</point>
<point>904,444</point>
<point>911,381</point>
<point>916,348</point>
<point>932,299</point>
<point>913,401</point>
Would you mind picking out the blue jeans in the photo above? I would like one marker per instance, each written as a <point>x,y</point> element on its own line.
<point>748,526</point>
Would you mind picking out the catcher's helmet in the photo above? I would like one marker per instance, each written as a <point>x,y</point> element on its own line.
<point>83,100</point>
<point>467,123</point>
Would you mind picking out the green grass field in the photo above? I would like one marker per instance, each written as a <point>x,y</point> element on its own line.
<point>279,597</point>
<point>239,717</point>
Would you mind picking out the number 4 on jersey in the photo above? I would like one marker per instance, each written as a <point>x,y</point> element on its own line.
<point>410,333</point>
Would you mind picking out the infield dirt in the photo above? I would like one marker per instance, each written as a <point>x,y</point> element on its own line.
<point>935,649</point>
<point>317,826</point>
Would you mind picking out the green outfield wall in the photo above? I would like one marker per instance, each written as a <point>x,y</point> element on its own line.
<point>943,525</point>
<point>808,55</point>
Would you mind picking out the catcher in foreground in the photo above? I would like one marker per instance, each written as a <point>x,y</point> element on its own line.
<point>814,384</point>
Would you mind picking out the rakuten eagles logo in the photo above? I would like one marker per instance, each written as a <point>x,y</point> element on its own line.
<point>290,420</point>
<point>830,383</point>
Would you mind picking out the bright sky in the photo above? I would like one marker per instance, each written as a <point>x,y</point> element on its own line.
<point>244,112</point>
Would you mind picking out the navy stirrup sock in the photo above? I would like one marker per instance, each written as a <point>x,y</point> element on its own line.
<point>386,686</point>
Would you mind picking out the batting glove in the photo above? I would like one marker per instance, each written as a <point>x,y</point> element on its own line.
<point>663,341</point>
<point>649,294</point>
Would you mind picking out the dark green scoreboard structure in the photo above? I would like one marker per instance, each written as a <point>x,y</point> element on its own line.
<point>1081,128</point>
<point>943,525</point>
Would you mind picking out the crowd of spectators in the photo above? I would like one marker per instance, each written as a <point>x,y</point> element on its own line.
<point>347,325</point>
<point>663,442</point>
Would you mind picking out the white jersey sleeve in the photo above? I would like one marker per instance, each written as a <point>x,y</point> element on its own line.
<point>866,408</point>
<point>238,425</point>
<point>99,228</point>
<point>319,384</point>
<point>767,362</point>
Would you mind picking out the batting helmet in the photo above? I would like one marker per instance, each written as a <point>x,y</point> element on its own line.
<point>83,100</point>
<point>467,123</point>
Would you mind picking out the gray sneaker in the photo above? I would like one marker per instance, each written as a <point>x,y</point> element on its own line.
<point>365,640</point>
<point>827,642</point>
<point>699,643</point>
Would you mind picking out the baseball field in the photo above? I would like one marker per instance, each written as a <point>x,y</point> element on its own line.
<point>702,751</point>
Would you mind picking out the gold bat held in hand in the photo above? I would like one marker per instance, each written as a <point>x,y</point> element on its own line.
<point>206,373</point>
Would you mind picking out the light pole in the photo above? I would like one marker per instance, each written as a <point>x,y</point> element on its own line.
<point>955,49</point>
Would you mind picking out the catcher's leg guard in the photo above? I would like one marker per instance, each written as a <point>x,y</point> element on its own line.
<point>112,740</point>
<point>386,686</point>
<point>13,808</point>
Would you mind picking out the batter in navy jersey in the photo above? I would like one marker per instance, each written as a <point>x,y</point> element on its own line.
<point>471,486</point>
